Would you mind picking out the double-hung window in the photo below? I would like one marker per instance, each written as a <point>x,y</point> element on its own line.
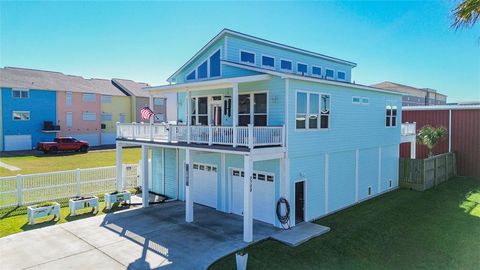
<point>302,68</point>
<point>88,97</point>
<point>68,98</point>
<point>391,116</point>
<point>268,61</point>
<point>89,116</point>
<point>285,65</point>
<point>252,112</point>
<point>329,73</point>
<point>18,93</point>
<point>313,111</point>
<point>247,57</point>
<point>200,111</point>
<point>106,99</point>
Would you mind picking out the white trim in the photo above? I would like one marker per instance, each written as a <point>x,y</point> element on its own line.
<point>269,56</point>
<point>283,69</point>
<point>327,77</point>
<point>357,160</point>
<point>298,72</point>
<point>441,107</point>
<point>20,90</point>
<point>247,63</point>
<point>345,73</point>
<point>449,131</point>
<point>305,194</point>
<point>316,75</point>
<point>359,100</point>
<point>379,168</point>
<point>252,105</point>
<point>287,86</point>
<point>320,94</point>
<point>326,183</point>
<point>311,79</point>
<point>223,182</point>
<point>225,47</point>
<point>230,32</point>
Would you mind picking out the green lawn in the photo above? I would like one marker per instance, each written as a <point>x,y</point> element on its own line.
<point>67,161</point>
<point>436,229</point>
<point>14,220</point>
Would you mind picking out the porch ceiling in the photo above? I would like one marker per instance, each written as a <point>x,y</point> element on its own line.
<point>205,85</point>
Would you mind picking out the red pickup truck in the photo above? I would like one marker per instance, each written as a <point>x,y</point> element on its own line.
<point>63,144</point>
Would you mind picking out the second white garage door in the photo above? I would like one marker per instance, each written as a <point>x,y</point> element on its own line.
<point>263,195</point>
<point>18,142</point>
<point>205,184</point>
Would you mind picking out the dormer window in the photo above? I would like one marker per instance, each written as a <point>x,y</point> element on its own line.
<point>329,73</point>
<point>286,65</point>
<point>341,75</point>
<point>268,61</point>
<point>247,57</point>
<point>316,71</point>
<point>302,68</point>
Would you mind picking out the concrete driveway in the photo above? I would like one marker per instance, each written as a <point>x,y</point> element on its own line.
<point>156,237</point>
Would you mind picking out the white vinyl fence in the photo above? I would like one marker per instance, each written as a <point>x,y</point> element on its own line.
<point>41,187</point>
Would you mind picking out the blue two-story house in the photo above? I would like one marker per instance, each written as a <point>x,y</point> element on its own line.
<point>259,121</point>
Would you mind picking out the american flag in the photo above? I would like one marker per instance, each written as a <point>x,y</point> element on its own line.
<point>146,113</point>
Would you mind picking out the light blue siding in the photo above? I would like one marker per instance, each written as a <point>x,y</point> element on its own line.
<point>367,172</point>
<point>236,44</point>
<point>341,180</point>
<point>164,172</point>
<point>389,167</point>
<point>171,183</point>
<point>158,171</point>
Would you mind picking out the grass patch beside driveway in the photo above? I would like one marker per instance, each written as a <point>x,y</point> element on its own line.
<point>403,229</point>
<point>67,161</point>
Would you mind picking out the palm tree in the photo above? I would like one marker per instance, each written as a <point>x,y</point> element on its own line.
<point>466,13</point>
<point>430,136</point>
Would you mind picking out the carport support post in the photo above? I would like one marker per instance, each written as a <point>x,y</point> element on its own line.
<point>188,187</point>
<point>145,176</point>
<point>413,149</point>
<point>247,200</point>
<point>119,163</point>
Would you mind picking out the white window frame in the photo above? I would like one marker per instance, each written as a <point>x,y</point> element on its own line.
<point>197,114</point>
<point>266,66</point>
<point>363,101</point>
<point>327,77</point>
<point>298,72</point>
<point>88,95</point>
<point>208,68</point>
<point>21,91</point>
<point>392,107</point>
<point>106,115</point>
<point>156,101</point>
<point>344,73</point>
<point>252,105</point>
<point>316,75</point>
<point>27,112</point>
<point>247,63</point>
<point>356,102</point>
<point>89,113</point>
<point>68,98</point>
<point>307,117</point>
<point>66,120</point>
<point>287,60</point>
<point>104,99</point>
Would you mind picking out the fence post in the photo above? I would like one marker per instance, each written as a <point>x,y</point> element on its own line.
<point>78,182</point>
<point>19,189</point>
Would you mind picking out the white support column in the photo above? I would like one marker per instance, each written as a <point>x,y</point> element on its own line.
<point>118,163</point>
<point>188,187</point>
<point>413,149</point>
<point>449,131</point>
<point>145,197</point>
<point>247,200</point>
<point>189,114</point>
<point>235,113</point>
<point>151,106</point>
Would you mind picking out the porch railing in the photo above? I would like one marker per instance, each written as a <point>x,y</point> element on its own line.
<point>248,136</point>
<point>409,129</point>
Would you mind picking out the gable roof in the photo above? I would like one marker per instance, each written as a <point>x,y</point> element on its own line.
<point>226,31</point>
<point>131,88</point>
<point>406,88</point>
<point>56,81</point>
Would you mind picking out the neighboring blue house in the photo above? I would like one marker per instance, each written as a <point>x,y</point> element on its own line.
<point>24,112</point>
<point>259,120</point>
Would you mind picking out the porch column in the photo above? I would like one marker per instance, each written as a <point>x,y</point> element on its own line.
<point>189,114</point>
<point>247,200</point>
<point>413,149</point>
<point>235,113</point>
<point>151,106</point>
<point>188,187</point>
<point>119,164</point>
<point>145,197</point>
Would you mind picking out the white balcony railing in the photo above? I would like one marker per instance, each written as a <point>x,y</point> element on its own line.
<point>409,129</point>
<point>249,136</point>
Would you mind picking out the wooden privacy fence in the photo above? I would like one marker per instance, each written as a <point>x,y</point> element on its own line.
<point>35,188</point>
<point>422,174</point>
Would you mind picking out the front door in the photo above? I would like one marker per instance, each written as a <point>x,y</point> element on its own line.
<point>299,202</point>
<point>216,114</point>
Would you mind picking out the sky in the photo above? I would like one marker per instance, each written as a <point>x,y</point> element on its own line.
<point>407,42</point>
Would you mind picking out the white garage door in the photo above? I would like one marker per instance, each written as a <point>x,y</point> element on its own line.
<point>18,142</point>
<point>205,184</point>
<point>263,195</point>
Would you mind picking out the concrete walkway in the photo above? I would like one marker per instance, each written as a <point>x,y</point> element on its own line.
<point>9,167</point>
<point>156,237</point>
